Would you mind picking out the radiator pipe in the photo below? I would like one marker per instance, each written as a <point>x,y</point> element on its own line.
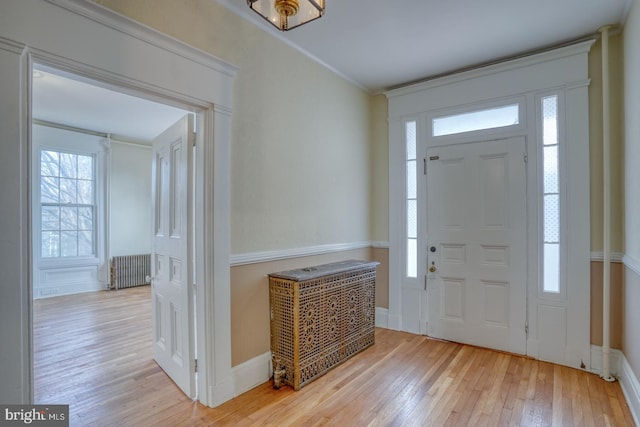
<point>606,233</point>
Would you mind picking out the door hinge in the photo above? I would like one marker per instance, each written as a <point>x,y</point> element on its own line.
<point>194,139</point>
<point>424,166</point>
<point>195,365</point>
<point>526,158</point>
<point>425,282</point>
<point>526,329</point>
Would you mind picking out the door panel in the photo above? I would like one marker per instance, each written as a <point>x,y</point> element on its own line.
<point>477,223</point>
<point>173,326</point>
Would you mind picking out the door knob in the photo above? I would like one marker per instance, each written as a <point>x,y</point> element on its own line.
<point>432,267</point>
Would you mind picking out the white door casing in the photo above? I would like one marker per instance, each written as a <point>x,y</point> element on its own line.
<point>558,324</point>
<point>204,84</point>
<point>171,254</point>
<point>477,243</point>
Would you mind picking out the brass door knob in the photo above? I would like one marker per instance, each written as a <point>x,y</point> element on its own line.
<point>432,268</point>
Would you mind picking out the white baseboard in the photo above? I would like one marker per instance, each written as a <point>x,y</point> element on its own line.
<point>632,263</point>
<point>251,373</point>
<point>621,369</point>
<point>382,317</point>
<point>259,370</point>
<point>596,360</point>
<point>631,388</point>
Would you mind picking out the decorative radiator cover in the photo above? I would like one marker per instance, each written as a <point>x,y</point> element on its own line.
<point>320,317</point>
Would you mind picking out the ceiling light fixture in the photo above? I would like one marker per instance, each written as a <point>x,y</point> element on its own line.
<point>288,14</point>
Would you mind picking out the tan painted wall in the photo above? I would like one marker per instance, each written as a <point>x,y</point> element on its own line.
<point>381,255</point>
<point>617,280</point>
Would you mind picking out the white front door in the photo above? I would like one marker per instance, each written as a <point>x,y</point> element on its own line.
<point>477,256</point>
<point>172,302</point>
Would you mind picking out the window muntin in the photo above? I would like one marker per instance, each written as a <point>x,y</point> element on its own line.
<point>489,118</point>
<point>551,195</point>
<point>67,204</point>
<point>411,199</point>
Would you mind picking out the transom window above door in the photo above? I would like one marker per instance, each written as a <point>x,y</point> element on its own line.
<point>476,120</point>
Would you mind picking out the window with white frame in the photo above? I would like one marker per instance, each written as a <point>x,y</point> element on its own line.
<point>67,204</point>
<point>411,199</point>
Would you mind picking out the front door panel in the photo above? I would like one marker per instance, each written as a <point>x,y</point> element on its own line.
<point>477,224</point>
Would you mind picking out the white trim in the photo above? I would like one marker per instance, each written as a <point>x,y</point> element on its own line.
<point>630,388</point>
<point>252,373</point>
<point>632,264</point>
<point>103,15</point>
<point>379,244</point>
<point>382,317</point>
<point>596,360</point>
<point>508,65</point>
<point>149,70</point>
<point>599,256</point>
<point>257,257</point>
<point>565,71</point>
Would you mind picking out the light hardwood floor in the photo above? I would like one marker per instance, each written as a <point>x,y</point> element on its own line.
<point>93,352</point>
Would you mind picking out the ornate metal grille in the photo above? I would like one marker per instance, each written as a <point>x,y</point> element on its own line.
<point>320,317</point>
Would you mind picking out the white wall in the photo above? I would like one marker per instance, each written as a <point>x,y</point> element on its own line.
<point>130,199</point>
<point>631,326</point>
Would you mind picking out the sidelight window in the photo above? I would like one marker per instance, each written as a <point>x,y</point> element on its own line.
<point>551,195</point>
<point>411,199</point>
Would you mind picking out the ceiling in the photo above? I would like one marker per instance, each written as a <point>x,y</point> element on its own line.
<point>73,101</point>
<point>381,44</point>
<point>376,44</point>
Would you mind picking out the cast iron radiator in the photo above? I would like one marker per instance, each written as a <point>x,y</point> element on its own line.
<point>320,317</point>
<point>128,271</point>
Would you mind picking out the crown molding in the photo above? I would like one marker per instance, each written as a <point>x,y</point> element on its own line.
<point>126,25</point>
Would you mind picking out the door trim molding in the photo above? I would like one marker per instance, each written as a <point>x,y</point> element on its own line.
<point>564,70</point>
<point>149,71</point>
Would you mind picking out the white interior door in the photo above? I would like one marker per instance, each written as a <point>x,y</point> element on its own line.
<point>172,312</point>
<point>477,243</point>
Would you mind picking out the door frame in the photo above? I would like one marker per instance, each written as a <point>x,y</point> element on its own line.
<point>148,72</point>
<point>563,70</point>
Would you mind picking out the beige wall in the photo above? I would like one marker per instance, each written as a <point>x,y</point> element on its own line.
<point>631,324</point>
<point>595,137</point>
<point>301,143</point>
<point>380,164</point>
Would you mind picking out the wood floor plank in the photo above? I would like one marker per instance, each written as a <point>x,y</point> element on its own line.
<point>93,352</point>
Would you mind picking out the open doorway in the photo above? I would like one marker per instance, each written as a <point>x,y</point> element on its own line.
<point>92,160</point>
